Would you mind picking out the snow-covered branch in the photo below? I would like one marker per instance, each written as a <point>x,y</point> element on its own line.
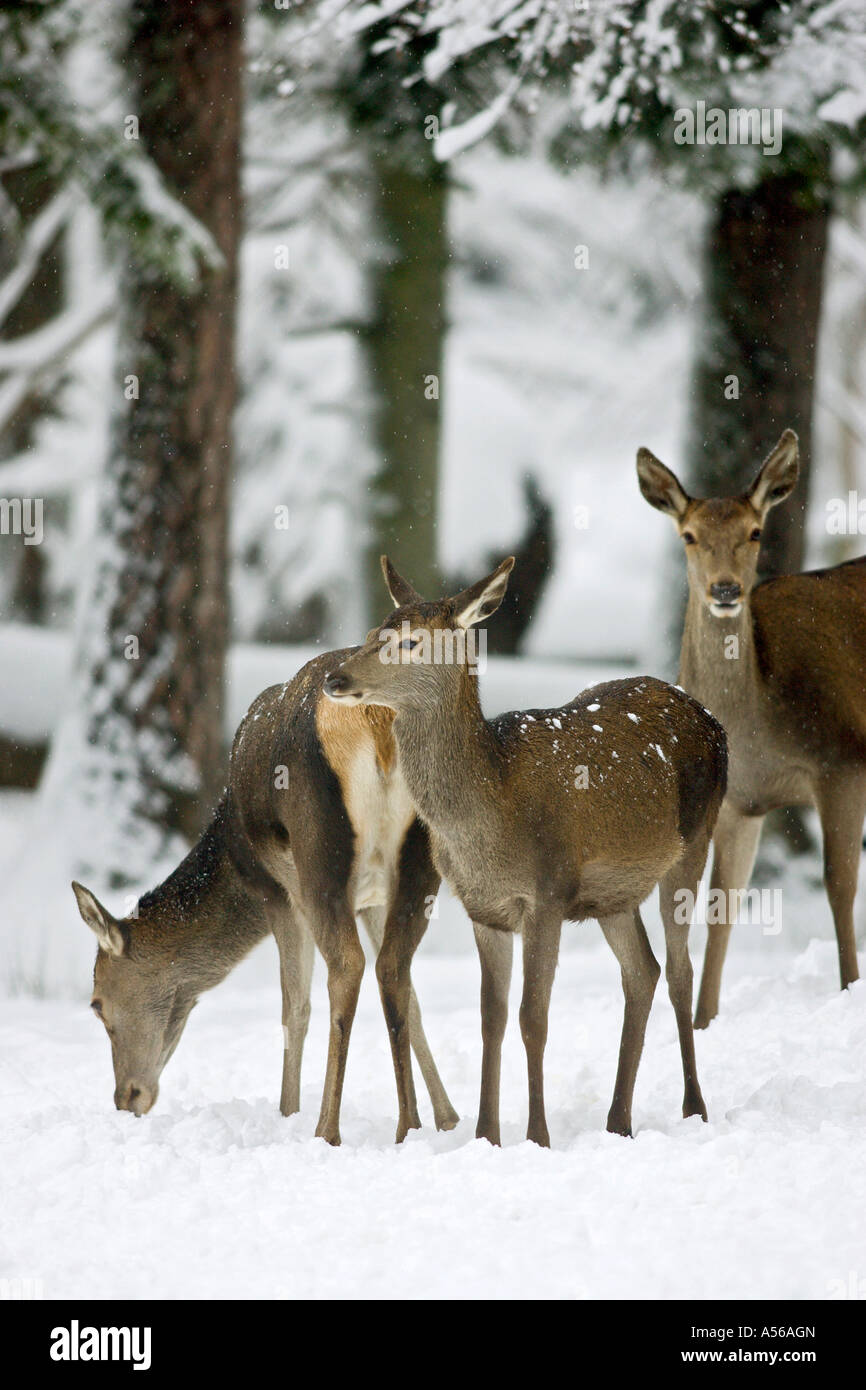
<point>30,357</point>
<point>39,237</point>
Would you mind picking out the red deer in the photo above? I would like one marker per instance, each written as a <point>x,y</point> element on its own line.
<point>314,826</point>
<point>542,815</point>
<point>782,664</point>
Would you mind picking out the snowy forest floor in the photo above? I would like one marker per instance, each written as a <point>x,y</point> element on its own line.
<point>214,1195</point>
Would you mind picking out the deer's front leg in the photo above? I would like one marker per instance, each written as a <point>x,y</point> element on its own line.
<point>735,844</point>
<point>393,964</point>
<point>415,889</point>
<point>540,953</point>
<point>495,952</point>
<point>444,1114</point>
<point>337,938</point>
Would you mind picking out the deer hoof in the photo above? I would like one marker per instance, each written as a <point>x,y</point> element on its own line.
<point>447,1119</point>
<point>615,1125</point>
<point>694,1105</point>
<point>404,1126</point>
<point>540,1137</point>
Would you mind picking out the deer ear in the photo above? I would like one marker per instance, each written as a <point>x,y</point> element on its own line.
<point>661,488</point>
<point>400,589</point>
<point>482,599</point>
<point>108,930</point>
<point>778,476</point>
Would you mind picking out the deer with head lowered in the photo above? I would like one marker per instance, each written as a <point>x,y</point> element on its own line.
<point>544,815</point>
<point>782,664</point>
<point>315,825</point>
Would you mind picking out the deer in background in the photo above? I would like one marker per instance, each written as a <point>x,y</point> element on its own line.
<point>783,666</point>
<point>315,825</point>
<point>539,816</point>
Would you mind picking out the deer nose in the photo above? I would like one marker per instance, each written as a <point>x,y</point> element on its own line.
<point>134,1096</point>
<point>336,683</point>
<point>728,591</point>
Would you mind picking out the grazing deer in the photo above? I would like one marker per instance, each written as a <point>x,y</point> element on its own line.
<point>543,815</point>
<point>783,666</point>
<point>314,826</point>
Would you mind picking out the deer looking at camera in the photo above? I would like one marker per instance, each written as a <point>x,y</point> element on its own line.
<point>315,825</point>
<point>539,816</point>
<point>783,666</point>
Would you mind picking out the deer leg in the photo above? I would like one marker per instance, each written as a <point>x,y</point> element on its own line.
<point>495,952</point>
<point>295,945</point>
<point>841,806</point>
<point>540,954</point>
<point>735,845</point>
<point>444,1114</point>
<point>676,911</point>
<point>627,938</point>
<point>392,972</point>
<point>337,938</point>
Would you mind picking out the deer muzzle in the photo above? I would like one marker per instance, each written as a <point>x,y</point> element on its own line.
<point>339,686</point>
<point>726,598</point>
<point>135,1096</point>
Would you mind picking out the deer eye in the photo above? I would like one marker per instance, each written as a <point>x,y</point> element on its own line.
<point>408,643</point>
<point>688,538</point>
<point>756,534</point>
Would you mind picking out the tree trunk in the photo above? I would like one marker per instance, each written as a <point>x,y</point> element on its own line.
<point>755,369</point>
<point>405,354</point>
<point>155,650</point>
<point>763,276</point>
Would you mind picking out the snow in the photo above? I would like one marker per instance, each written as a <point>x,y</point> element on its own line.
<point>35,664</point>
<point>215,1195</point>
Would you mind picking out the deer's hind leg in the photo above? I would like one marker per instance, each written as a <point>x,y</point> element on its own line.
<point>677,897</point>
<point>295,945</point>
<point>627,938</point>
<point>444,1114</point>
<point>841,806</point>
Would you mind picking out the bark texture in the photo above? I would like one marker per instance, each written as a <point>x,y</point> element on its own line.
<point>154,693</point>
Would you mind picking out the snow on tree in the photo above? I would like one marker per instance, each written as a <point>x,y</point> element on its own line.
<point>138,759</point>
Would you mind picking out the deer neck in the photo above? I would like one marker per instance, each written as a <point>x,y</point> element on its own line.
<point>718,662</point>
<point>449,755</point>
<point>202,919</point>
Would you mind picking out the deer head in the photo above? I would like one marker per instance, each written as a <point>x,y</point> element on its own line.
<point>140,997</point>
<point>420,650</point>
<point>722,535</point>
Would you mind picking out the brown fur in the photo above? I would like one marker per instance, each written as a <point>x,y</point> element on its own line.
<point>341,730</point>
<point>282,859</point>
<point>525,840</point>
<point>785,672</point>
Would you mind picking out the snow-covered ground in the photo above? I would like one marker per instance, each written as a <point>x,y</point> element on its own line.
<point>215,1195</point>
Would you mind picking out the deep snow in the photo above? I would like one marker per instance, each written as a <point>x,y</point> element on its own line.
<point>215,1195</point>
